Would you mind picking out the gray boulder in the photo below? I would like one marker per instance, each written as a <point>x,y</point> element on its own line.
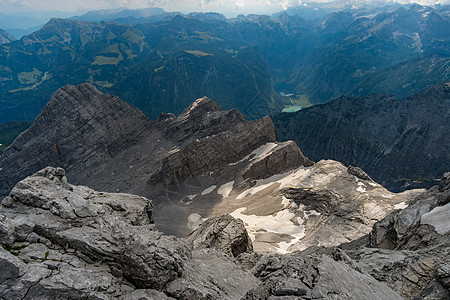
<point>223,233</point>
<point>211,275</point>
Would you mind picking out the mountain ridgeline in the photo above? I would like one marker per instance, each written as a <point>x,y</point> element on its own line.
<point>398,142</point>
<point>159,61</point>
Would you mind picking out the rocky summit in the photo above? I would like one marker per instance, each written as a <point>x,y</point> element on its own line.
<point>101,202</point>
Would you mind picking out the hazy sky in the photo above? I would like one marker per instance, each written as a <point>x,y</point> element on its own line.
<point>228,7</point>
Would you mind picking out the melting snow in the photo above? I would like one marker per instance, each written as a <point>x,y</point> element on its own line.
<point>310,213</point>
<point>253,190</point>
<point>361,189</point>
<point>439,218</point>
<point>284,180</point>
<point>401,205</point>
<point>226,189</point>
<point>280,223</point>
<point>260,152</point>
<point>208,190</point>
<point>285,202</point>
<point>194,220</point>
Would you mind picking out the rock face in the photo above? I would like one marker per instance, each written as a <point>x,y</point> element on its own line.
<point>223,233</point>
<point>424,222</point>
<point>62,241</point>
<point>411,247</point>
<point>79,129</point>
<point>77,217</point>
<point>395,141</point>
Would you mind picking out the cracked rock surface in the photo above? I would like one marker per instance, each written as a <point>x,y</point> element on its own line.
<point>62,241</point>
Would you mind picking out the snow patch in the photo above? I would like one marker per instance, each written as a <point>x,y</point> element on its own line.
<point>192,196</point>
<point>439,218</point>
<point>208,190</point>
<point>253,190</point>
<point>311,212</point>
<point>285,202</point>
<point>194,220</point>
<point>373,184</point>
<point>226,189</point>
<point>401,205</point>
<point>282,179</point>
<point>280,223</point>
<point>361,189</point>
<point>260,152</point>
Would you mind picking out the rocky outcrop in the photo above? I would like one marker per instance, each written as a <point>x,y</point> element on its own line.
<point>409,248</point>
<point>62,241</point>
<point>424,222</point>
<point>400,143</point>
<point>104,227</point>
<point>223,233</point>
<point>319,275</point>
<point>216,151</point>
<point>352,170</point>
<point>203,118</point>
<point>105,143</point>
<point>283,157</point>
<point>211,275</point>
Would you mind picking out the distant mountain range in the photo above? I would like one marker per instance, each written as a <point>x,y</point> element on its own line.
<point>118,13</point>
<point>160,61</point>
<point>400,143</point>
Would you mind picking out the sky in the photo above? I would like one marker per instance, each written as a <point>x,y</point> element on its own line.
<point>228,7</point>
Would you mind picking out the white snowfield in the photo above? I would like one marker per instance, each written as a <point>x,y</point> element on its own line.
<point>226,189</point>
<point>281,223</point>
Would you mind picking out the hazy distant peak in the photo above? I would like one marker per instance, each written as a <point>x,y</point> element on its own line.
<point>117,13</point>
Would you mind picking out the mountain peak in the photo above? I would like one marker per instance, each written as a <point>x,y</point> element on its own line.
<point>202,104</point>
<point>79,122</point>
